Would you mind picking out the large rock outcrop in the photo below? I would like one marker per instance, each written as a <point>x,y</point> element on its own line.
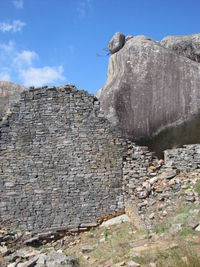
<point>187,45</point>
<point>9,93</point>
<point>149,87</point>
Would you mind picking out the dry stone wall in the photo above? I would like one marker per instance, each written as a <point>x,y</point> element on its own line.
<point>60,162</point>
<point>186,158</point>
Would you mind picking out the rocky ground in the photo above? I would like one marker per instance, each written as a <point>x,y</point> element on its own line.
<point>172,241</point>
<point>154,187</point>
<point>168,188</point>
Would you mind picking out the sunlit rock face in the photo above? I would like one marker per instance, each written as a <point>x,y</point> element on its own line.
<point>149,88</point>
<point>186,45</point>
<point>9,93</point>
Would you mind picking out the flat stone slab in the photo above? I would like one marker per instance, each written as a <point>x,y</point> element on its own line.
<point>197,228</point>
<point>116,220</point>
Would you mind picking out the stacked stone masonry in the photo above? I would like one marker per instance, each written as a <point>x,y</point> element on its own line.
<point>60,162</point>
<point>186,158</point>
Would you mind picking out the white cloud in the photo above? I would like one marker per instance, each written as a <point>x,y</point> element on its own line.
<point>22,66</point>
<point>83,7</point>
<point>7,48</point>
<point>4,76</point>
<point>7,53</point>
<point>19,4</point>
<point>15,26</point>
<point>41,76</point>
<point>25,57</point>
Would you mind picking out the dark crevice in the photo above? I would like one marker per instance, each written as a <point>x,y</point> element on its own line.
<point>185,133</point>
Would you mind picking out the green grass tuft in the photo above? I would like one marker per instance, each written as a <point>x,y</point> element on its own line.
<point>160,229</point>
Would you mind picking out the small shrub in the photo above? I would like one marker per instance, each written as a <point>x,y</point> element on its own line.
<point>91,230</point>
<point>174,190</point>
<point>43,250</point>
<point>106,234</point>
<point>121,221</point>
<point>160,229</point>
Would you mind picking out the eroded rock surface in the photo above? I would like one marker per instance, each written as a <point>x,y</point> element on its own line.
<point>186,45</point>
<point>148,88</point>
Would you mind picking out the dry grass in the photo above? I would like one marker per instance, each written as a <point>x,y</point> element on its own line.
<point>124,243</point>
<point>197,187</point>
<point>115,248</point>
<point>185,256</point>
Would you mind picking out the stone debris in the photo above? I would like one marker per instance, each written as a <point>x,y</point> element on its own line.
<point>32,241</point>
<point>169,174</point>
<point>59,258</point>
<point>197,228</point>
<point>4,250</point>
<point>155,196</point>
<point>53,258</point>
<point>37,250</point>
<point>116,220</point>
<point>176,228</point>
<point>186,158</point>
<point>29,263</point>
<point>88,248</point>
<point>122,263</point>
<point>133,264</point>
<point>192,225</point>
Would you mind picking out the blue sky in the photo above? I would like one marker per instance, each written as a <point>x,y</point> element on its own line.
<point>59,41</point>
